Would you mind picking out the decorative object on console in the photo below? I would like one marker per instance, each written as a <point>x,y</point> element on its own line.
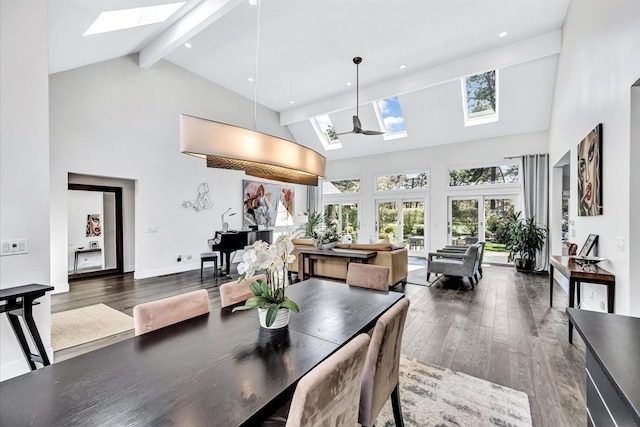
<point>269,296</point>
<point>225,225</point>
<point>326,238</point>
<point>94,244</point>
<point>226,146</point>
<point>202,200</point>
<point>588,245</point>
<point>590,173</point>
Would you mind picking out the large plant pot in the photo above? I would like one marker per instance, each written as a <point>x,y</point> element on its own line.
<point>525,265</point>
<point>282,318</point>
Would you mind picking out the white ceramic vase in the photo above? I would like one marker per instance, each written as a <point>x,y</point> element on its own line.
<point>327,246</point>
<point>282,318</point>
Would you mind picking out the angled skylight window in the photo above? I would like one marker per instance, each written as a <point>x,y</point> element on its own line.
<point>480,96</point>
<point>325,131</point>
<point>391,118</point>
<point>115,20</point>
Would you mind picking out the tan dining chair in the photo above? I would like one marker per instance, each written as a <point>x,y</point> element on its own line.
<point>368,276</point>
<point>234,292</point>
<point>157,314</point>
<point>382,369</point>
<point>328,395</point>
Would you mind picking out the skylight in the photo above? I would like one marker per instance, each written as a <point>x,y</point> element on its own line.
<point>391,118</point>
<point>480,96</point>
<point>115,20</point>
<point>325,131</point>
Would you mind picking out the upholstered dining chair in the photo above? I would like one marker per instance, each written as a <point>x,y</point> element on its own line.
<point>235,292</point>
<point>157,314</point>
<point>381,377</point>
<point>328,395</point>
<point>368,276</point>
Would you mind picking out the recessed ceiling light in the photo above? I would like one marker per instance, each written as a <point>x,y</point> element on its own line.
<point>292,102</point>
<point>403,66</point>
<point>348,83</point>
<point>253,2</point>
<point>115,20</point>
<point>188,45</point>
<point>250,79</point>
<point>503,34</point>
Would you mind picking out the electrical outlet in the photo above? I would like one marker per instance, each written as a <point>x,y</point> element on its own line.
<point>189,257</point>
<point>179,258</point>
<point>620,244</point>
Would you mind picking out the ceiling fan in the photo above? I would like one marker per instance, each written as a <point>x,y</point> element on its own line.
<point>357,126</point>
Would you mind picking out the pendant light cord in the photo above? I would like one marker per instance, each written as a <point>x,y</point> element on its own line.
<point>255,72</point>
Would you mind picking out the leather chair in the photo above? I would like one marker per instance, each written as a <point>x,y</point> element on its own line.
<point>234,292</point>
<point>328,395</point>
<point>461,265</point>
<point>157,314</point>
<point>382,368</point>
<point>368,276</point>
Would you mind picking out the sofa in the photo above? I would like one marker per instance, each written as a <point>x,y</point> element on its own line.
<point>392,256</point>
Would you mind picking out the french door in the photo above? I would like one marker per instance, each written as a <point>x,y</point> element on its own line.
<point>481,218</point>
<point>402,221</point>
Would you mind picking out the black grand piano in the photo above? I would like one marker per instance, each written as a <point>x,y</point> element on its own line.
<point>228,242</point>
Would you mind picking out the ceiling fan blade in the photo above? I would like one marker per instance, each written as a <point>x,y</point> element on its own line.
<point>356,123</point>
<point>372,132</point>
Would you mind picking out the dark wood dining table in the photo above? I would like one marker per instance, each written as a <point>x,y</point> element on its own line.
<point>217,369</point>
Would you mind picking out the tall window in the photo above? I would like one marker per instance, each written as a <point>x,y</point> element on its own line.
<point>480,98</point>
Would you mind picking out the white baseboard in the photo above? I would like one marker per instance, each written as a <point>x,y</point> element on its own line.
<point>60,288</point>
<point>19,367</point>
<point>164,271</point>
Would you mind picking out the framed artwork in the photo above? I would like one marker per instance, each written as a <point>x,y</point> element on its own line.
<point>266,204</point>
<point>588,245</point>
<point>590,173</point>
<point>94,229</point>
<point>94,244</point>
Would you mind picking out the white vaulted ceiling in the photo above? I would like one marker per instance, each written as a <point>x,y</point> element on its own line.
<point>305,53</point>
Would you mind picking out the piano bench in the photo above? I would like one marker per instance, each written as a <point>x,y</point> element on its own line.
<point>209,257</point>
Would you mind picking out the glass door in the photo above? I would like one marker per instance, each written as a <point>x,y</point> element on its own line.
<point>403,221</point>
<point>481,218</point>
<point>344,217</point>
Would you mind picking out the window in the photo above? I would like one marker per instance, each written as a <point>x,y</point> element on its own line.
<point>391,118</point>
<point>502,174</point>
<point>339,187</point>
<point>325,131</point>
<point>408,181</point>
<point>480,98</point>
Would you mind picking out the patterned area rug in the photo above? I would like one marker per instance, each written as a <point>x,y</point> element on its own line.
<point>82,325</point>
<point>435,396</point>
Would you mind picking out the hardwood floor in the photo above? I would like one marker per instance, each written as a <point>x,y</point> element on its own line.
<point>503,331</point>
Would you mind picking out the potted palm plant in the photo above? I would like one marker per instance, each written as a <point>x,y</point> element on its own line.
<point>274,307</point>
<point>314,221</point>
<point>524,239</point>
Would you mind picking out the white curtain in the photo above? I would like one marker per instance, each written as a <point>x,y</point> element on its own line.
<point>535,183</point>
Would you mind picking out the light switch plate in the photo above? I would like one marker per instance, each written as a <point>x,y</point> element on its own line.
<point>620,244</point>
<point>15,247</point>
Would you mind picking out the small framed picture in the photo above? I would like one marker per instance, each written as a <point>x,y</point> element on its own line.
<point>94,244</point>
<point>588,245</point>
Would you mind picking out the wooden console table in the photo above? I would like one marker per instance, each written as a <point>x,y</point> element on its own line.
<point>313,254</point>
<point>576,275</point>
<point>82,251</point>
<point>19,302</point>
<point>612,376</point>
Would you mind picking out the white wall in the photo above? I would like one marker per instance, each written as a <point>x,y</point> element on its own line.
<point>599,61</point>
<point>24,163</point>
<point>437,160</point>
<point>119,120</point>
<point>81,204</point>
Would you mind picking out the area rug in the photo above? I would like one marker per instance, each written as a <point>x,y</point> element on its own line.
<point>435,396</point>
<point>418,277</point>
<point>86,324</point>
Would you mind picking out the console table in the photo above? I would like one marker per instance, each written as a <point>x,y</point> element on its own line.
<point>19,302</point>
<point>613,379</point>
<point>82,251</point>
<point>313,254</point>
<point>576,275</point>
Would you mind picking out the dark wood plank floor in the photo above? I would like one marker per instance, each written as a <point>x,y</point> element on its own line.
<point>503,331</point>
